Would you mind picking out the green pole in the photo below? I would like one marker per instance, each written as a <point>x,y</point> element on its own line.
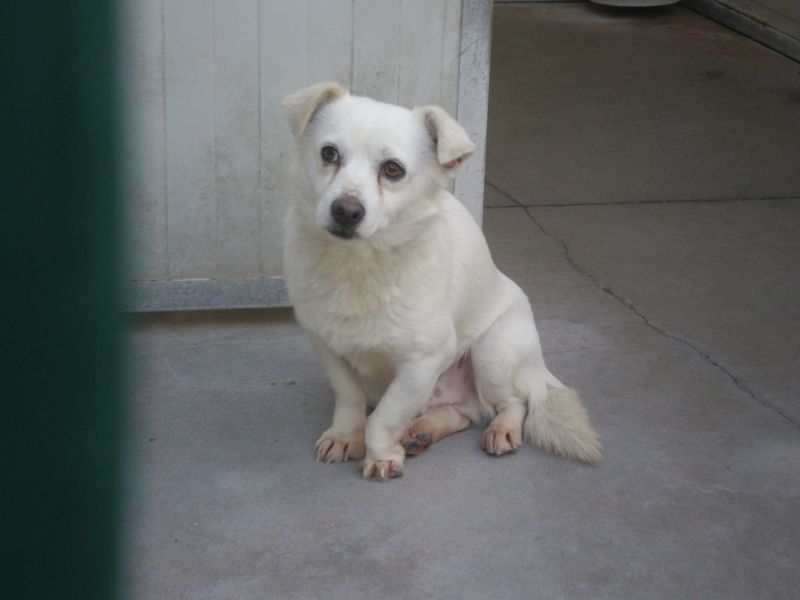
<point>60,300</point>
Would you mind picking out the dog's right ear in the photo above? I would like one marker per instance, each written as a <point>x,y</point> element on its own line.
<point>301,105</point>
<point>452,143</point>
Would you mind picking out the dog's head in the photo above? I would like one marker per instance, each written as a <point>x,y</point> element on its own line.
<point>371,164</point>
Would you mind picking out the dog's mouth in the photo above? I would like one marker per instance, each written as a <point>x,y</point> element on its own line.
<point>344,233</point>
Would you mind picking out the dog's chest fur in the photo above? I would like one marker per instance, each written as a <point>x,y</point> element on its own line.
<point>364,302</point>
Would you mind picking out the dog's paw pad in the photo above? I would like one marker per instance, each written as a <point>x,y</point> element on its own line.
<point>417,443</point>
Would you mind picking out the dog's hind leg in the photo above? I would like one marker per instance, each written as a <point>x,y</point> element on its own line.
<point>512,379</point>
<point>432,426</point>
<point>504,433</point>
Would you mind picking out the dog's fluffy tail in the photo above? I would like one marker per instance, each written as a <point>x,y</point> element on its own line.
<point>558,423</point>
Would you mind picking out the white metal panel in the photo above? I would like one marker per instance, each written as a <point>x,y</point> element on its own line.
<point>237,137</point>
<point>376,48</point>
<point>473,98</point>
<point>206,141</point>
<point>284,69</point>
<point>451,47</point>
<point>421,46</point>
<point>330,41</point>
<point>191,207</point>
<point>143,139</point>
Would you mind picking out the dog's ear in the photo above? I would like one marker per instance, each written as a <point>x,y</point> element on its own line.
<point>301,105</point>
<point>453,145</point>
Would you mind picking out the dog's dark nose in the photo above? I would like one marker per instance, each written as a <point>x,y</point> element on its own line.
<point>347,211</point>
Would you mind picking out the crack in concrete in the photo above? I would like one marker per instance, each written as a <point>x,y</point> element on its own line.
<point>737,381</point>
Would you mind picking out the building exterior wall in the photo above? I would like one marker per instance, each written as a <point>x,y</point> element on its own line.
<point>205,141</point>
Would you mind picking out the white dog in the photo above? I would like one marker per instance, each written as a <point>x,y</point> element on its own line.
<point>392,279</point>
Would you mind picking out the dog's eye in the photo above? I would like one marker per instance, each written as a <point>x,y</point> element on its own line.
<point>393,170</point>
<point>329,154</point>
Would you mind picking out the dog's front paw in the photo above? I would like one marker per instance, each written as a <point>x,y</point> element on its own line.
<point>384,468</point>
<point>337,446</point>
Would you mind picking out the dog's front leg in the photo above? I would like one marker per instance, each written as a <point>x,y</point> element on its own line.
<point>404,400</point>
<point>344,439</point>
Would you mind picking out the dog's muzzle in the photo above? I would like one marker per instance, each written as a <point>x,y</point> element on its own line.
<point>347,213</point>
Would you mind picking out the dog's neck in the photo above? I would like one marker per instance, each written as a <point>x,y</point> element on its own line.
<point>364,275</point>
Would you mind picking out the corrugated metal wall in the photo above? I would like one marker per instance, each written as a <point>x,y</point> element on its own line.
<point>205,139</point>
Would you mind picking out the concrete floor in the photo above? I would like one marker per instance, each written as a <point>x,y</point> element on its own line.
<point>644,189</point>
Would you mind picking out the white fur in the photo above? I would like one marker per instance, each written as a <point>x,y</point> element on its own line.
<point>389,310</point>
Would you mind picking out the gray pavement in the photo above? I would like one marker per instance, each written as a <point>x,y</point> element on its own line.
<point>675,315</point>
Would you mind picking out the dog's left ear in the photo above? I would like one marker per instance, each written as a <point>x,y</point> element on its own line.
<point>301,105</point>
<point>453,145</point>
